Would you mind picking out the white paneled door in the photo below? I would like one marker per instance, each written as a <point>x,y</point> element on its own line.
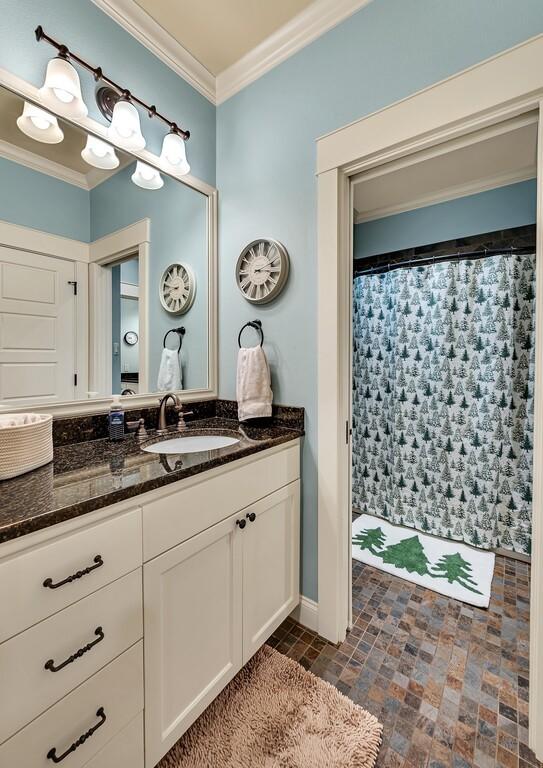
<point>37,328</point>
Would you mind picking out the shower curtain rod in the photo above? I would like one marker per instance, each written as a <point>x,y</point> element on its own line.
<point>423,260</point>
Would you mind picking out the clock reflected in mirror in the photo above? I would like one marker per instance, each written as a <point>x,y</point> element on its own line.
<point>262,270</point>
<point>177,288</point>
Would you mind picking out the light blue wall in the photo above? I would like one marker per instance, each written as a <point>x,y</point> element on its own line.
<point>99,40</point>
<point>266,169</point>
<point>35,200</point>
<point>511,206</point>
<point>130,271</point>
<point>178,233</point>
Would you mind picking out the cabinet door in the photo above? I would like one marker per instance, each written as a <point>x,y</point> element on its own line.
<point>192,626</point>
<point>271,546</point>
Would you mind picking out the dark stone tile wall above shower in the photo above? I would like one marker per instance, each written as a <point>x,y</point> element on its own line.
<point>516,237</point>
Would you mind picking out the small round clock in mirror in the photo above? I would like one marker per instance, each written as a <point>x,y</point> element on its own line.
<point>131,338</point>
<point>177,288</point>
<point>262,270</point>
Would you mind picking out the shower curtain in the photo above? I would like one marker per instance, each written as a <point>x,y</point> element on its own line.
<point>443,364</point>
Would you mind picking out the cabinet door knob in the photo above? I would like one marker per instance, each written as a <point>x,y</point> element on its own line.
<point>251,516</point>
<point>241,523</point>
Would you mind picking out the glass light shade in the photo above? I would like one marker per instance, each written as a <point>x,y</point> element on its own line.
<point>62,90</point>
<point>174,153</point>
<point>147,177</point>
<point>99,154</point>
<point>125,127</point>
<point>39,124</point>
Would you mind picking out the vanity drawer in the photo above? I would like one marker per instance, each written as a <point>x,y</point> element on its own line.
<point>124,750</point>
<point>109,621</point>
<point>175,518</point>
<point>36,583</point>
<point>99,709</point>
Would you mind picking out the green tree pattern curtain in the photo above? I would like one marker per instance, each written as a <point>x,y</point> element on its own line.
<point>443,364</point>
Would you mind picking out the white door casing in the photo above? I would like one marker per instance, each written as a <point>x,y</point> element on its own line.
<point>488,93</point>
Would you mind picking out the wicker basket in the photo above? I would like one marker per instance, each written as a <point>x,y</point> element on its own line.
<point>26,447</point>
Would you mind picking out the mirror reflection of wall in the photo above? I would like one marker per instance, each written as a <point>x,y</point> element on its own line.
<point>62,269</point>
<point>125,327</point>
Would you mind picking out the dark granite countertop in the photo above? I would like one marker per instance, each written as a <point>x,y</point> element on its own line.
<point>90,475</point>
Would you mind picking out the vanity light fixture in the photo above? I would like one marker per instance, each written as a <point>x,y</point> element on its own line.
<point>147,177</point>
<point>62,84</point>
<point>39,124</point>
<point>99,154</point>
<point>62,90</point>
<point>174,153</point>
<point>125,129</point>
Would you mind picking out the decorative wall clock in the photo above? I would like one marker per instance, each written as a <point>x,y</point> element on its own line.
<point>262,270</point>
<point>131,338</point>
<point>177,288</point>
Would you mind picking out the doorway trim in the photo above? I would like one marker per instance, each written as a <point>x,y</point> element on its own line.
<point>500,88</point>
<point>130,241</point>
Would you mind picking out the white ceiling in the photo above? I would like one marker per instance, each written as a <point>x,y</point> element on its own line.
<point>219,32</point>
<point>491,158</point>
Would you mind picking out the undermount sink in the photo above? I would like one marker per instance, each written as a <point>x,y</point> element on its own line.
<point>192,444</point>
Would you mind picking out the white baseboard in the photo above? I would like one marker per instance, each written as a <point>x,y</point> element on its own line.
<point>306,613</point>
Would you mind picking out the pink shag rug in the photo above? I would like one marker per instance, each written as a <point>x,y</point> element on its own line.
<point>275,714</point>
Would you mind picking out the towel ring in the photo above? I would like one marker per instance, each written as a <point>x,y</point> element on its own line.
<point>257,325</point>
<point>180,332</point>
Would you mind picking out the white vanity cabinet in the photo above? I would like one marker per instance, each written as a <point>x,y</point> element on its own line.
<point>271,565</point>
<point>121,626</point>
<point>193,631</point>
<point>71,651</point>
<point>212,600</point>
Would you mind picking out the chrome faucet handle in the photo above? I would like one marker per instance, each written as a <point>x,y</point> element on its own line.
<point>181,424</point>
<point>139,428</point>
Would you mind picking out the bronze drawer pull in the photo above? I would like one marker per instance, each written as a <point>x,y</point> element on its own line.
<point>52,754</point>
<point>50,665</point>
<point>98,562</point>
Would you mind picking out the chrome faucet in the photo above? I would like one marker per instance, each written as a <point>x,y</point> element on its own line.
<point>162,424</point>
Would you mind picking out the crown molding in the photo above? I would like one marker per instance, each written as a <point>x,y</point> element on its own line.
<point>156,39</point>
<point>42,165</point>
<point>88,181</point>
<point>452,193</point>
<point>303,29</point>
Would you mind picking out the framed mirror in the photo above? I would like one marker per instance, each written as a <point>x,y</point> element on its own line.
<point>107,277</point>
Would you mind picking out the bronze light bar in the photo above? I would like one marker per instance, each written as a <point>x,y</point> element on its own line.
<point>65,53</point>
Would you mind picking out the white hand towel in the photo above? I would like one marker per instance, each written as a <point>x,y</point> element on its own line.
<point>253,389</point>
<point>169,373</point>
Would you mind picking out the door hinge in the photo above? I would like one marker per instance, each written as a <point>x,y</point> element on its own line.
<point>75,379</point>
<point>348,432</point>
<point>73,283</point>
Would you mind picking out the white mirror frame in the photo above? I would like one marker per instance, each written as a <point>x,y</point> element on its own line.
<point>94,255</point>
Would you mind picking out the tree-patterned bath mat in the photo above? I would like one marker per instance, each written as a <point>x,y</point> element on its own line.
<point>449,567</point>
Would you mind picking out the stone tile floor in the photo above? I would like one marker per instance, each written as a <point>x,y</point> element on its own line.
<point>448,681</point>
